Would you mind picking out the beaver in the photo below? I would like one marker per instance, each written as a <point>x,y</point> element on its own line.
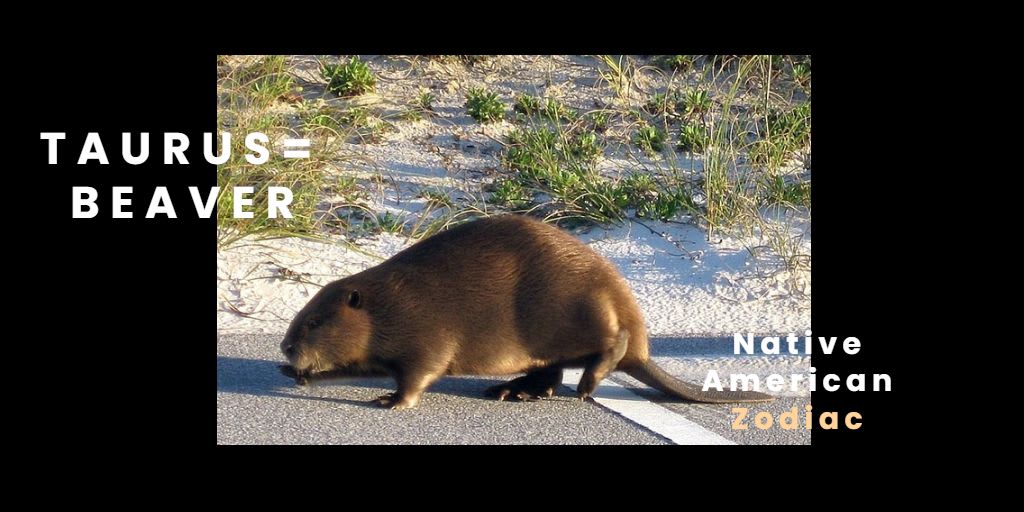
<point>495,296</point>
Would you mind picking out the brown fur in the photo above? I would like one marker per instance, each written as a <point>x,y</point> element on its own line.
<point>501,295</point>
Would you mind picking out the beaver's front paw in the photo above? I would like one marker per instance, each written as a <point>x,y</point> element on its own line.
<point>395,401</point>
<point>301,378</point>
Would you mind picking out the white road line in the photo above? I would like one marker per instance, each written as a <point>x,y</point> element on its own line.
<point>652,416</point>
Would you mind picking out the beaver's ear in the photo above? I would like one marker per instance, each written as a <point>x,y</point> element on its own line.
<point>355,301</point>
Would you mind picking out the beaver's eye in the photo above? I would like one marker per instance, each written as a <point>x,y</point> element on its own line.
<point>313,323</point>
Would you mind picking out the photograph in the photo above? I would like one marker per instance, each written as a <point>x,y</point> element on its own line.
<point>508,249</point>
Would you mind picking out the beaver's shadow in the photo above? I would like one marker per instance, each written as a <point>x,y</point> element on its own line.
<point>260,377</point>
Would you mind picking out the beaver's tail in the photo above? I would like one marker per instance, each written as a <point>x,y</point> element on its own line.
<point>650,374</point>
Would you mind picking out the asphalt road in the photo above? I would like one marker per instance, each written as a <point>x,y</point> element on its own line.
<point>257,405</point>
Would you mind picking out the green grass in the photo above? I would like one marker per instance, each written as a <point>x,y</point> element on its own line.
<point>437,198</point>
<point>425,101</point>
<point>411,114</point>
<point>560,165</point>
<point>793,124</point>
<point>653,199</point>
<point>358,117</point>
<point>650,139</point>
<point>555,111</point>
<point>599,120</point>
<point>527,105</point>
<point>319,116</point>
<point>723,61</point>
<point>661,104</point>
<point>468,60</point>
<point>675,62</point>
<point>693,138</point>
<point>546,108</point>
<point>742,176</point>
<point>619,73</point>
<point>248,94</point>
<point>584,146</point>
<point>744,123</point>
<point>552,160</point>
<point>484,106</point>
<point>357,124</point>
<point>694,103</point>
<point>802,73</point>
<point>388,222</point>
<point>636,188</point>
<point>550,163</point>
<point>511,194</point>
<point>782,133</point>
<point>421,106</point>
<point>367,125</point>
<point>350,78</point>
<point>302,177</point>
<point>256,85</point>
<point>532,151</point>
<point>780,192</point>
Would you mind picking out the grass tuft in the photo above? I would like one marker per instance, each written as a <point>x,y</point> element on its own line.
<point>650,139</point>
<point>678,63</point>
<point>693,138</point>
<point>351,78</point>
<point>484,106</point>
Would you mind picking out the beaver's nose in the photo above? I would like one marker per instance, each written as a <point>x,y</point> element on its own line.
<point>288,349</point>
